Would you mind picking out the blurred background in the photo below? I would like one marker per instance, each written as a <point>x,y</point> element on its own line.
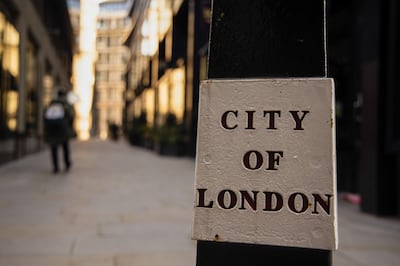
<point>133,70</point>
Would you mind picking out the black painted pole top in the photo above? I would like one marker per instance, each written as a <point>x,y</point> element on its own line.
<point>267,38</point>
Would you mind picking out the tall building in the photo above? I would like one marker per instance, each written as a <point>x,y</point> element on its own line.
<point>112,24</point>
<point>168,44</point>
<point>36,44</point>
<point>100,62</point>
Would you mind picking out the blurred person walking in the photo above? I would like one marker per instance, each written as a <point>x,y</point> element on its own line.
<point>58,128</point>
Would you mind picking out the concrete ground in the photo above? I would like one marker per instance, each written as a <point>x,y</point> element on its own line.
<point>121,205</point>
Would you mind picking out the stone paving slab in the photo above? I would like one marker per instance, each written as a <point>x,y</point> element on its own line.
<point>121,205</point>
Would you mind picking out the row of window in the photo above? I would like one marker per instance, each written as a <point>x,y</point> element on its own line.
<point>9,72</point>
<point>108,41</point>
<point>113,23</point>
<point>9,78</point>
<point>110,95</point>
<point>110,76</point>
<point>112,58</point>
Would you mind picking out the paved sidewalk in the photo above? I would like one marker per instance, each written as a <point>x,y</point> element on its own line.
<point>118,206</point>
<point>122,205</point>
<point>366,240</point>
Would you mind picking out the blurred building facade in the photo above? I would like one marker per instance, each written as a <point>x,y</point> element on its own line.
<point>83,15</point>
<point>36,45</point>
<point>99,63</point>
<point>168,44</point>
<point>112,24</point>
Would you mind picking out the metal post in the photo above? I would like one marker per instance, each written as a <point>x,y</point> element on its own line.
<point>265,38</point>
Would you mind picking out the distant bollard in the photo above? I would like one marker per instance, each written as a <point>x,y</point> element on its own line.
<point>113,132</point>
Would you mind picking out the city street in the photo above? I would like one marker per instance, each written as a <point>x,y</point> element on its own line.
<point>122,205</point>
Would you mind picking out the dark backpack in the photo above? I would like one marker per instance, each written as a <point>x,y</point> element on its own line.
<point>54,117</point>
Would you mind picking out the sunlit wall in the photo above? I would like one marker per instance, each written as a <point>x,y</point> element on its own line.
<point>149,98</point>
<point>177,97</point>
<point>83,68</point>
<point>155,26</point>
<point>9,72</point>
<point>171,95</point>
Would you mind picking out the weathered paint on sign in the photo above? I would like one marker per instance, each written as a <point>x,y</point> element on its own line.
<point>266,163</point>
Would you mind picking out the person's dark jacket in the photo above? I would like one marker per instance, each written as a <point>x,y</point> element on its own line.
<point>58,135</point>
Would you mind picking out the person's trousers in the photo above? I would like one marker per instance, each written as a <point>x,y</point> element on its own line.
<point>54,155</point>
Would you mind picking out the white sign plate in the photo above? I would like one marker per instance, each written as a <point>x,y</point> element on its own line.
<point>266,163</point>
